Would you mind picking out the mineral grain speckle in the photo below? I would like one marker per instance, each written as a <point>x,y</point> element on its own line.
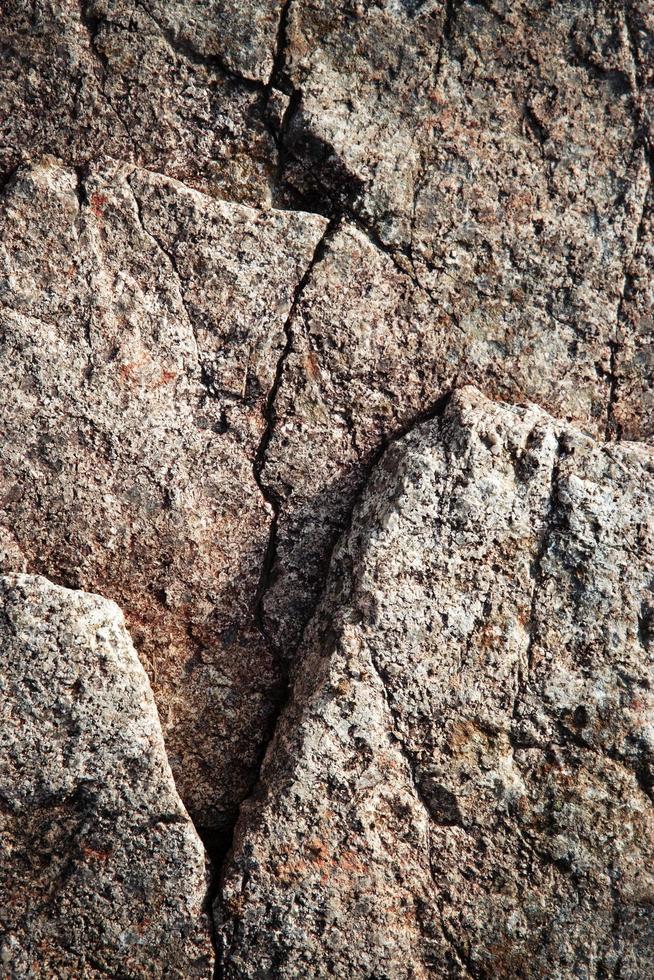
<point>141,327</point>
<point>462,784</point>
<point>102,873</point>
<point>247,254</point>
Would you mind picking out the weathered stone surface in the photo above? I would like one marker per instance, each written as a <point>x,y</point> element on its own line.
<point>141,325</point>
<point>102,873</point>
<point>462,784</point>
<point>496,113</point>
<point>505,171</point>
<point>157,84</point>
<point>498,151</point>
<point>194,392</point>
<point>631,414</point>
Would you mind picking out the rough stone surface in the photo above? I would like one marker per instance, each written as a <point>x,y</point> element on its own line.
<point>462,784</point>
<point>499,154</point>
<point>141,324</point>
<point>102,873</point>
<point>244,248</point>
<point>169,86</point>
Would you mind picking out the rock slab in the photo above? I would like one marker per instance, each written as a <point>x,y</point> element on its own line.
<point>103,873</point>
<point>141,323</point>
<point>462,784</point>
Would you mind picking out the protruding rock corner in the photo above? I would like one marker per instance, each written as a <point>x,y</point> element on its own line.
<point>462,782</point>
<point>103,873</point>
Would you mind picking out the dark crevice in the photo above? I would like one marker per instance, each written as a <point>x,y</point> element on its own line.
<point>451,8</point>
<point>536,127</point>
<point>639,767</point>
<point>216,844</point>
<point>219,843</point>
<point>7,179</point>
<point>613,429</point>
<point>92,25</point>
<point>278,73</point>
<point>617,79</point>
<point>437,409</point>
<point>83,202</point>
<point>80,186</point>
<point>258,466</point>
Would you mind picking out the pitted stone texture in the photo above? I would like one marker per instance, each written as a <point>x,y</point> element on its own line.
<point>632,409</point>
<point>371,352</point>
<point>506,172</point>
<point>462,784</point>
<point>141,82</point>
<point>243,35</point>
<point>102,871</point>
<point>142,323</point>
<point>501,113</point>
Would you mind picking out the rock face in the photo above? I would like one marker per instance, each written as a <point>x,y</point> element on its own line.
<point>169,86</point>
<point>462,784</point>
<point>490,163</point>
<point>244,248</point>
<point>102,872</point>
<point>141,325</point>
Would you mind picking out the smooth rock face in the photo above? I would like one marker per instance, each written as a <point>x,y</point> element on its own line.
<point>141,325</point>
<point>102,873</point>
<point>462,784</point>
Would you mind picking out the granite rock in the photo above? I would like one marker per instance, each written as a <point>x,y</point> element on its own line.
<point>141,324</point>
<point>245,248</point>
<point>462,784</point>
<point>169,86</point>
<point>102,873</point>
<point>487,167</point>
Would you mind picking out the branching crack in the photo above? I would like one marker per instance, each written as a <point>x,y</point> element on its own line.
<point>446,33</point>
<point>213,62</point>
<point>277,75</point>
<point>91,24</point>
<point>169,255</point>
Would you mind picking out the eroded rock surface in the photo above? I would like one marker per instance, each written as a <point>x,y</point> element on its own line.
<point>102,873</point>
<point>462,784</point>
<point>490,164</point>
<point>141,326</point>
<point>194,392</point>
<point>174,87</point>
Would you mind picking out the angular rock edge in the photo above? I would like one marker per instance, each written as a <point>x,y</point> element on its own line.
<point>104,874</point>
<point>462,782</point>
